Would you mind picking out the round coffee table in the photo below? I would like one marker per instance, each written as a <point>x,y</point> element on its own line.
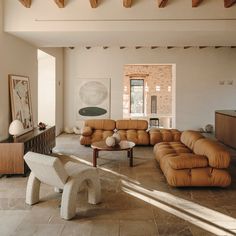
<point>124,145</point>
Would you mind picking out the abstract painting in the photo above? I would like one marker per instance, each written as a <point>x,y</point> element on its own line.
<point>21,107</point>
<point>92,98</point>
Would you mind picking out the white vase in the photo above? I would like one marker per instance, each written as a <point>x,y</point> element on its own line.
<point>117,137</point>
<point>110,141</point>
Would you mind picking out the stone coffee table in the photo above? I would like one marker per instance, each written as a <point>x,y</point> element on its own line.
<point>122,146</point>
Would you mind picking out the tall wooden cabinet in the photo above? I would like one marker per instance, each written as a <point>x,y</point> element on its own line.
<point>225,127</point>
<point>12,152</point>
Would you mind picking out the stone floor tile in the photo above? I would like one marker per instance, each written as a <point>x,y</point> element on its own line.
<point>138,228</point>
<point>39,230</point>
<point>91,228</point>
<point>10,220</point>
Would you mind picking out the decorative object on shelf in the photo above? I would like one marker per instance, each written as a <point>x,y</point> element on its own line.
<point>76,130</point>
<point>110,141</point>
<point>68,130</point>
<point>42,126</point>
<point>21,107</point>
<point>209,128</point>
<point>117,138</point>
<point>16,128</point>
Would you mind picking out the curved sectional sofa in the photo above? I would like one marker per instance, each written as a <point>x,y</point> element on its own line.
<point>193,161</point>
<point>186,158</point>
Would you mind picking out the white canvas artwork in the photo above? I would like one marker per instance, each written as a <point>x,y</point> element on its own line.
<point>92,98</point>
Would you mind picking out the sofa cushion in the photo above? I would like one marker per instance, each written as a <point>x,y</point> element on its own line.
<point>206,176</point>
<point>86,131</point>
<point>187,161</point>
<point>189,138</point>
<point>102,124</point>
<point>99,135</point>
<point>217,155</point>
<point>165,148</point>
<point>131,124</point>
<point>163,135</point>
<point>139,137</point>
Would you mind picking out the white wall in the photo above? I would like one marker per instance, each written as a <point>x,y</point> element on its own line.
<point>46,88</point>
<point>59,55</point>
<point>198,72</point>
<point>16,57</point>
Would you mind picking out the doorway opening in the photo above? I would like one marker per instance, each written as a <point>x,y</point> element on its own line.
<point>46,88</point>
<point>149,92</point>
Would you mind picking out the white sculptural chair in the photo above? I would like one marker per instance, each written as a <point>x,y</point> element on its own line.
<point>50,170</point>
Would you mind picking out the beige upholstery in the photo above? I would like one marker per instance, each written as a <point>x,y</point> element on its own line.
<point>49,170</point>
<point>96,130</point>
<point>195,161</point>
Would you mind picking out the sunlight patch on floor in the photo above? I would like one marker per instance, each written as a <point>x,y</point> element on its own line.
<point>210,220</point>
<point>203,217</point>
<point>105,169</point>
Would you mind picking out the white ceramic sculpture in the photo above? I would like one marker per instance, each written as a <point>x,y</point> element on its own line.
<point>209,128</point>
<point>69,130</point>
<point>117,137</point>
<point>110,141</point>
<point>76,130</point>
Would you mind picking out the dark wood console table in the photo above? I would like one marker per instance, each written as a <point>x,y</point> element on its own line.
<point>12,152</point>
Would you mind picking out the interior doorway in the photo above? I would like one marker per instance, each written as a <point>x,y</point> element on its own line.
<point>156,84</point>
<point>46,88</point>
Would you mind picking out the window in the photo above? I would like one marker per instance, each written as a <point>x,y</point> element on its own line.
<point>154,104</point>
<point>137,96</point>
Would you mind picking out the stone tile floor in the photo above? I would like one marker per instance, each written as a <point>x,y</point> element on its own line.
<point>135,201</point>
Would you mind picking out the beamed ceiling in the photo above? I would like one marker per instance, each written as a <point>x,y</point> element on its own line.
<point>123,23</point>
<point>128,3</point>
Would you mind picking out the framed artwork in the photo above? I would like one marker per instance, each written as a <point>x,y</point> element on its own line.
<point>21,107</point>
<point>92,98</point>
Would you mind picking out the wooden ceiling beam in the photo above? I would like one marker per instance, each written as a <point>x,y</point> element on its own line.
<point>26,3</point>
<point>162,3</point>
<point>60,3</point>
<point>229,3</point>
<point>127,3</point>
<point>196,3</point>
<point>94,3</point>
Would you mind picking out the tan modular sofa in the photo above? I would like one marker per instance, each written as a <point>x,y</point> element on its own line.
<point>131,130</point>
<point>194,161</point>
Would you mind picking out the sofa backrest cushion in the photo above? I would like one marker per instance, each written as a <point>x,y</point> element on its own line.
<point>218,156</point>
<point>102,124</point>
<point>131,124</point>
<point>158,135</point>
<point>189,137</point>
